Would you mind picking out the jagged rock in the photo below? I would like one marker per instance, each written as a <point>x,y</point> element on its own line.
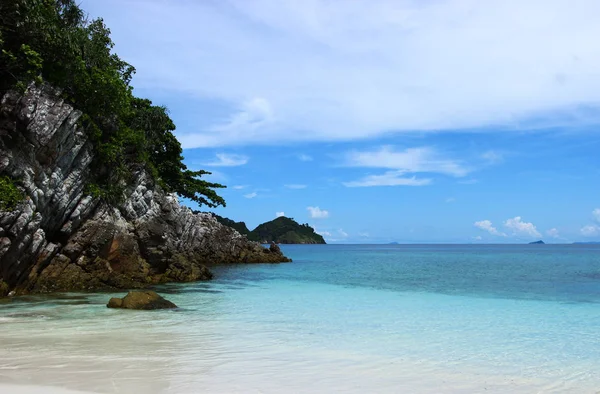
<point>61,239</point>
<point>143,300</point>
<point>274,248</point>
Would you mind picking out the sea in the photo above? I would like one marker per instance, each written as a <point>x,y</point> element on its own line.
<point>338,319</point>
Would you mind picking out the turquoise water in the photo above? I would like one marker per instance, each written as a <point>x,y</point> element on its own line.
<point>340,318</point>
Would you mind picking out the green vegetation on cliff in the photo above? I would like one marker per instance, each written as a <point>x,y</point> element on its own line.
<point>54,41</point>
<point>10,196</point>
<point>281,230</point>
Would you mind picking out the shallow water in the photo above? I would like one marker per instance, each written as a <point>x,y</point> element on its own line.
<point>457,319</point>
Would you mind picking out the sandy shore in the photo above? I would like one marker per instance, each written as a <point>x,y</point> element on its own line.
<point>18,389</point>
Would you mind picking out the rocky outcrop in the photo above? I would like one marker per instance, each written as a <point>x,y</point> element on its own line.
<point>59,238</point>
<point>141,300</point>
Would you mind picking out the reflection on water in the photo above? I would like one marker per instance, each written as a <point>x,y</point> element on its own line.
<point>301,327</point>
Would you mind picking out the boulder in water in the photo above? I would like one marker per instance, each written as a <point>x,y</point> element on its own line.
<point>142,300</point>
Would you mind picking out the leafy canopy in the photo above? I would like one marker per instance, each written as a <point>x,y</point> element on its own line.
<point>54,41</point>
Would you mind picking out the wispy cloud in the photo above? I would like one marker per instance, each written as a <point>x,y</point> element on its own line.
<point>239,187</point>
<point>303,157</point>
<point>590,230</point>
<point>317,213</point>
<point>279,214</point>
<point>390,178</point>
<point>295,186</point>
<point>487,225</point>
<point>492,157</point>
<point>412,160</point>
<point>401,163</point>
<point>228,160</point>
<point>553,232</point>
<point>251,195</point>
<point>314,70</point>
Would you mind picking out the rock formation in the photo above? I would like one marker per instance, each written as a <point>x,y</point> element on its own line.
<point>142,300</point>
<point>60,238</point>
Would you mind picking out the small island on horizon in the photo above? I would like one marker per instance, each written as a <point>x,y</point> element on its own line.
<point>282,230</point>
<point>540,242</point>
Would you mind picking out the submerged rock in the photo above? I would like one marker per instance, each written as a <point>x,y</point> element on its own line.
<point>62,239</point>
<point>142,300</point>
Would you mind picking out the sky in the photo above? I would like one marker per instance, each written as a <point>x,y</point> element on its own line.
<point>375,121</point>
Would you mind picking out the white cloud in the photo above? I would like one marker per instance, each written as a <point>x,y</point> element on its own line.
<point>342,233</point>
<point>492,157</point>
<point>389,178</point>
<point>239,187</point>
<point>321,232</point>
<point>520,227</point>
<point>412,160</point>
<point>553,232</point>
<point>303,157</point>
<point>251,195</point>
<point>295,186</point>
<point>318,213</point>
<point>279,214</point>
<point>228,160</point>
<point>315,70</point>
<point>363,235</point>
<point>486,225</point>
<point>468,181</point>
<point>590,231</point>
<point>478,238</point>
<point>596,214</point>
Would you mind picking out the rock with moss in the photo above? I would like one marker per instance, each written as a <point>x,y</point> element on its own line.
<point>61,238</point>
<point>141,300</point>
<point>4,289</point>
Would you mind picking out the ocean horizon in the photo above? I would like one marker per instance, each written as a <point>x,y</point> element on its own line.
<point>340,318</point>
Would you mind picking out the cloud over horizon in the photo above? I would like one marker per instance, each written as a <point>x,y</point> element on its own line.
<point>519,227</point>
<point>486,225</point>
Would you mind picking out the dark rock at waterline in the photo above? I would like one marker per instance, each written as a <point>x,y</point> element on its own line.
<point>274,248</point>
<point>4,289</point>
<point>540,242</point>
<point>141,300</point>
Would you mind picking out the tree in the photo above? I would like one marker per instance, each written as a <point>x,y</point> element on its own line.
<point>54,41</point>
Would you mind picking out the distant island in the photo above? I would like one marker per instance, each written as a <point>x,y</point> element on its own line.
<point>540,242</point>
<point>282,230</point>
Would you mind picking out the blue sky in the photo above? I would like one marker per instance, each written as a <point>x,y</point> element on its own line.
<point>382,120</point>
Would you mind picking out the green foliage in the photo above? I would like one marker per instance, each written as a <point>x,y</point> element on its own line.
<point>10,195</point>
<point>281,230</point>
<point>239,226</point>
<point>53,41</point>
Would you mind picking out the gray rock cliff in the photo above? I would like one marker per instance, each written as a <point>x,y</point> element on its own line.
<point>59,238</point>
